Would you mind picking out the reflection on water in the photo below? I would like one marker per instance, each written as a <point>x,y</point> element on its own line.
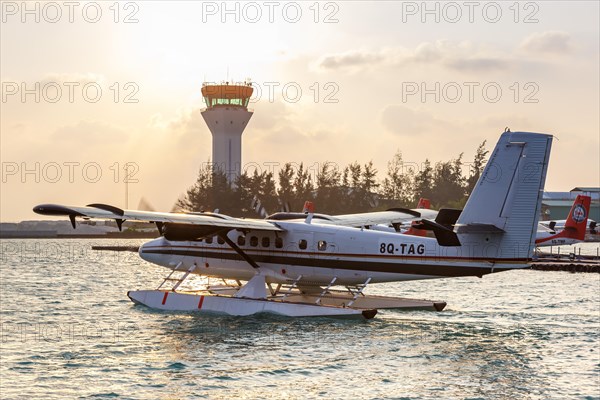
<point>68,330</point>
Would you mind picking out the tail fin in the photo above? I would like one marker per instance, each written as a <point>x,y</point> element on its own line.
<point>424,203</point>
<point>577,219</point>
<point>501,215</point>
<point>415,231</point>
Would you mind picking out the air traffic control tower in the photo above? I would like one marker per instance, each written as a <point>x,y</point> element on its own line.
<point>227,115</point>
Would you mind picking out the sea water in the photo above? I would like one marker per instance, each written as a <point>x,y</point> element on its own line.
<point>69,331</point>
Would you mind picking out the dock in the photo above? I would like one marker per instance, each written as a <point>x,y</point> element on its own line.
<point>570,262</point>
<point>134,249</point>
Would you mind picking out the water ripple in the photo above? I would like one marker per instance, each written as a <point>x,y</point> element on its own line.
<point>67,334</point>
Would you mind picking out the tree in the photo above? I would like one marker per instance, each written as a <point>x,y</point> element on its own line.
<point>286,185</point>
<point>196,197</point>
<point>352,198</point>
<point>396,188</point>
<point>244,195</point>
<point>448,182</point>
<point>268,192</point>
<point>423,183</point>
<point>221,195</point>
<point>211,191</point>
<point>349,191</point>
<point>369,185</point>
<point>259,186</point>
<point>476,167</point>
<point>303,188</point>
<point>328,188</point>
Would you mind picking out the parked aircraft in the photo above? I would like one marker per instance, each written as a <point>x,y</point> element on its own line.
<point>574,226</point>
<point>291,262</point>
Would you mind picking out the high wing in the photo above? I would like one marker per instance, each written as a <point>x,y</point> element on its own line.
<point>180,226</point>
<point>394,216</point>
<point>389,217</point>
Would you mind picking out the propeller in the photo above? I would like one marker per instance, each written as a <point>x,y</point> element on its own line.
<point>258,207</point>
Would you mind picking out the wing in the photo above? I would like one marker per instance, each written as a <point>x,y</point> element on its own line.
<point>174,226</point>
<point>389,217</point>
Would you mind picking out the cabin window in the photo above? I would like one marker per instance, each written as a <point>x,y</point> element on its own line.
<point>253,241</point>
<point>241,240</point>
<point>220,240</point>
<point>303,244</point>
<point>266,241</point>
<point>322,245</point>
<point>278,242</point>
<point>209,240</point>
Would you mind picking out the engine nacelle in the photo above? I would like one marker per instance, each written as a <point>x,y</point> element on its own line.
<point>187,232</point>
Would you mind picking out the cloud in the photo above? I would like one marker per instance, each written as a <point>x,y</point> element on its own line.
<point>405,121</point>
<point>458,56</point>
<point>90,133</point>
<point>354,58</point>
<point>427,52</point>
<point>478,64</point>
<point>548,42</point>
<point>186,121</point>
<point>268,114</point>
<point>283,135</point>
<point>183,134</point>
<point>81,78</point>
<point>514,122</point>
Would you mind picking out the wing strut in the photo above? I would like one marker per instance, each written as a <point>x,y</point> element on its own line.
<point>246,257</point>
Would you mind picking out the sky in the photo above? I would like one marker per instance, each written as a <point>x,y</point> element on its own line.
<point>95,94</point>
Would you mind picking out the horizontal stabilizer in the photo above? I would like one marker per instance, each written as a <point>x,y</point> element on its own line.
<point>447,216</point>
<point>445,236</point>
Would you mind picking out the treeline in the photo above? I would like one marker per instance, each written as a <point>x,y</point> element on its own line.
<point>352,189</point>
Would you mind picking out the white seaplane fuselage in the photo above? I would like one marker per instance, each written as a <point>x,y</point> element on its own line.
<point>319,252</point>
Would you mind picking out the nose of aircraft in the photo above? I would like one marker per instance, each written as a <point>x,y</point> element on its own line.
<point>150,251</point>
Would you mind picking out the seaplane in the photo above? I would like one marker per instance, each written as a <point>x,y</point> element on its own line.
<point>573,229</point>
<point>309,264</point>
